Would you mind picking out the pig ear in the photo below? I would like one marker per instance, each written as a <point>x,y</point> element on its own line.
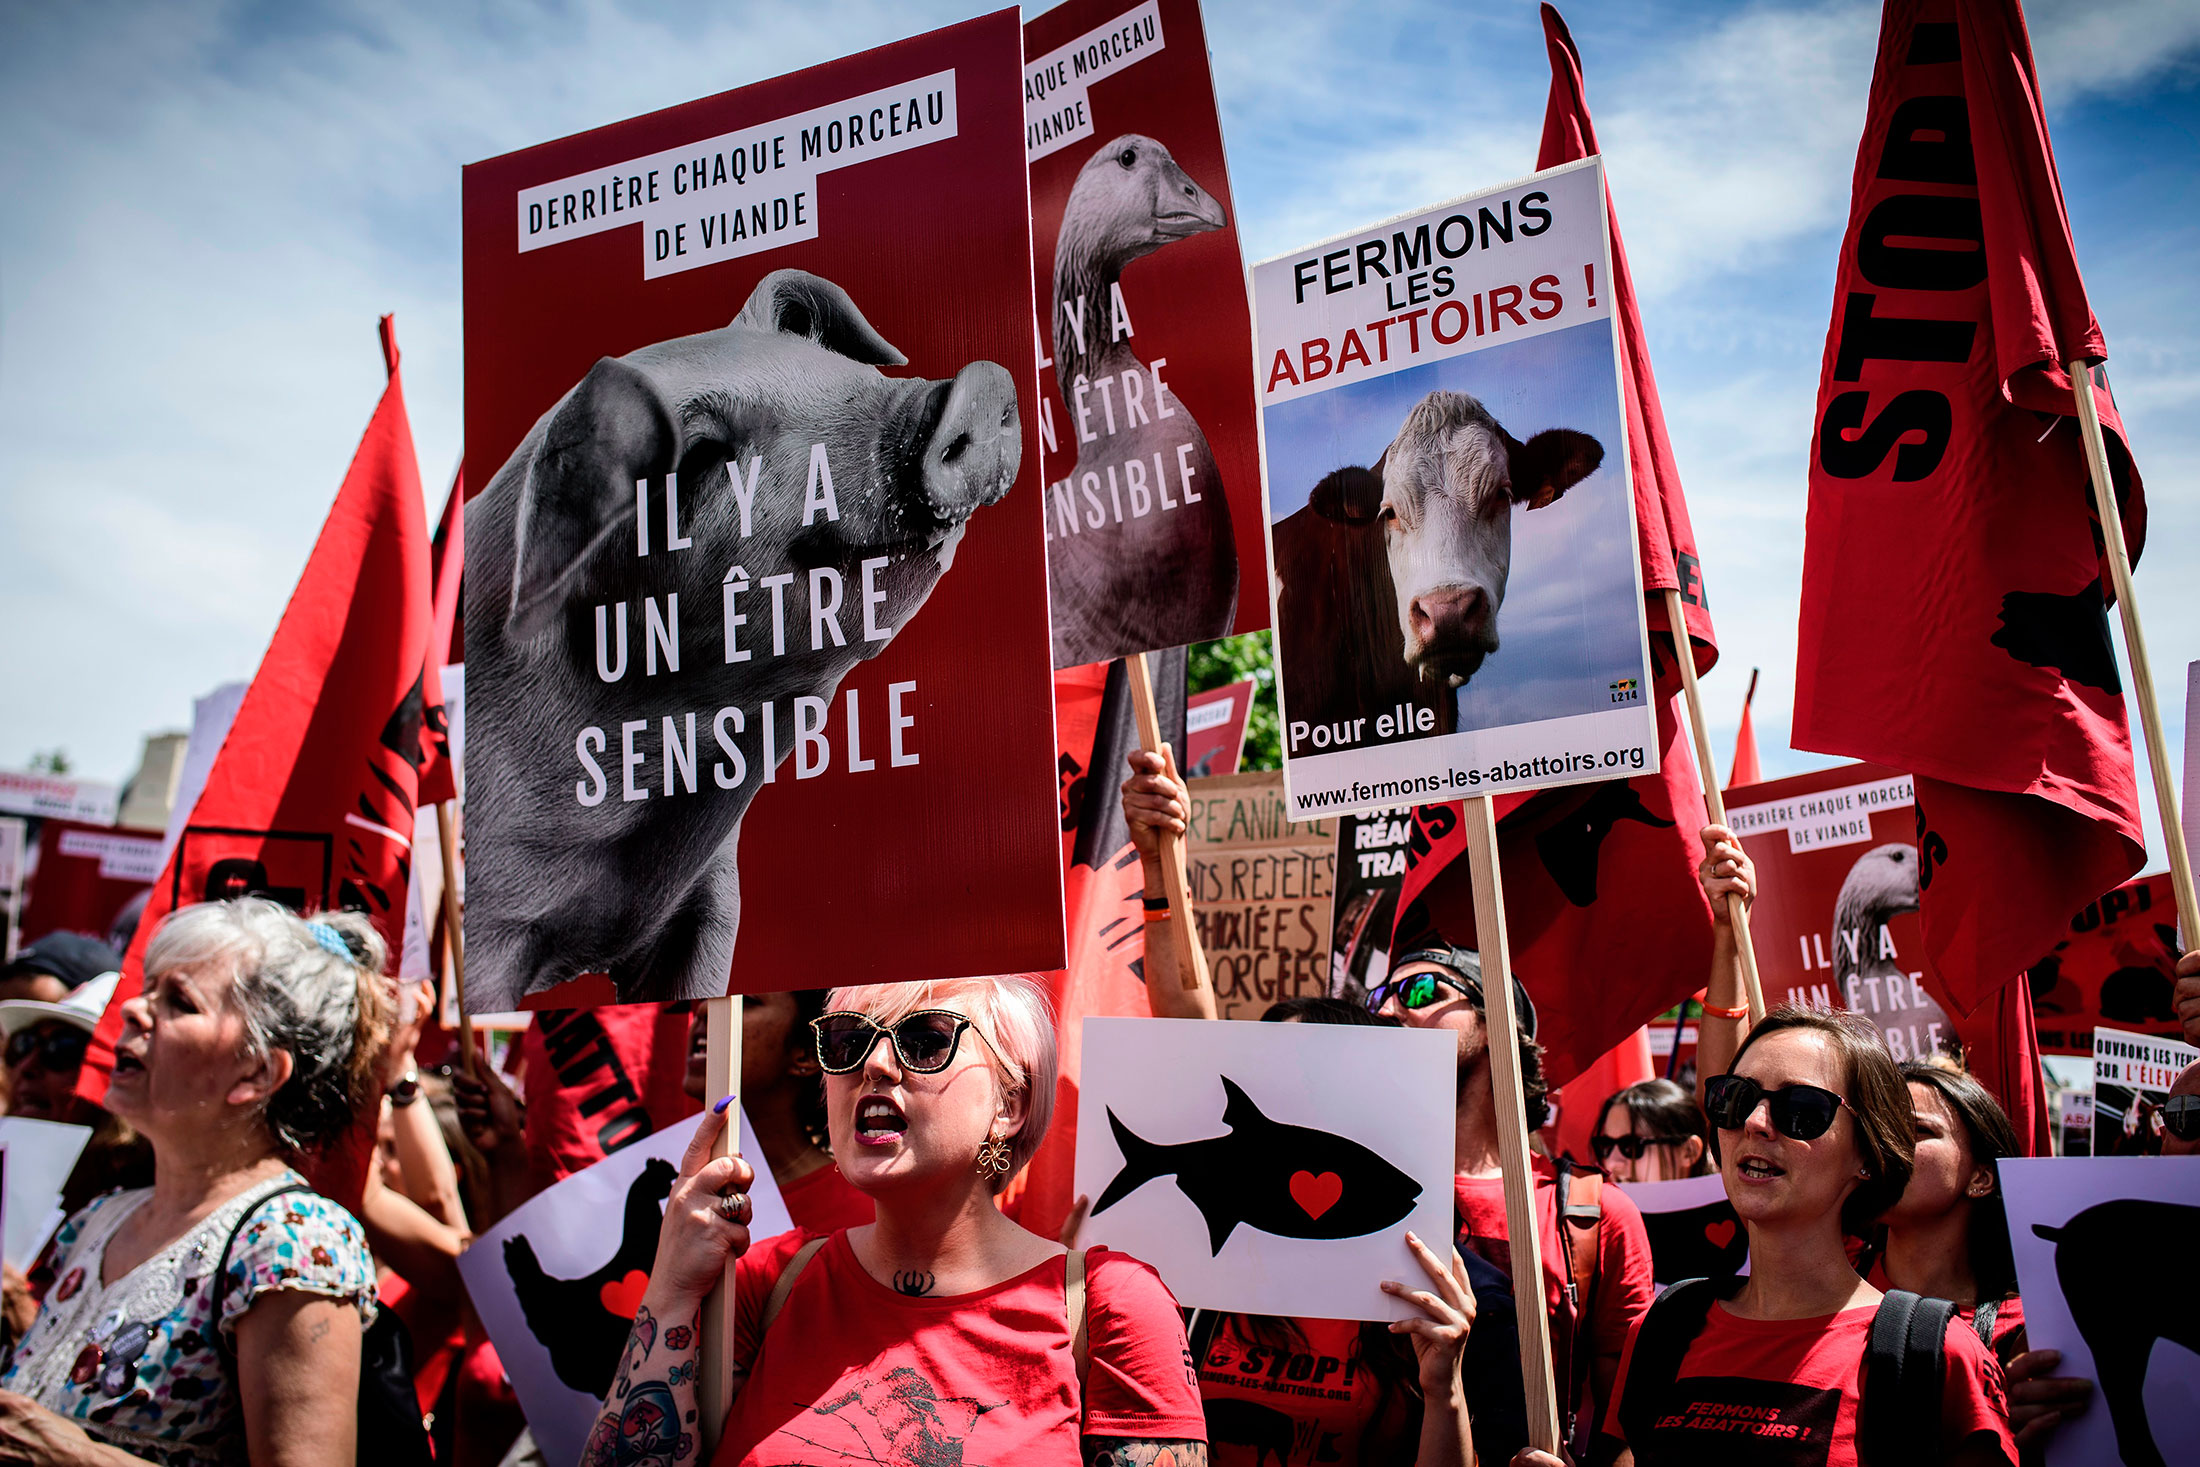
<point>612,429</point>
<point>1551,463</point>
<point>802,304</point>
<point>1353,495</point>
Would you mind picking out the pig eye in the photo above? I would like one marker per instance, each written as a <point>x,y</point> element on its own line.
<point>1128,157</point>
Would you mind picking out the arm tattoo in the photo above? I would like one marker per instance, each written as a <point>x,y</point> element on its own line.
<point>649,1415</point>
<point>1116,1451</point>
<point>913,1282</point>
<point>318,1333</point>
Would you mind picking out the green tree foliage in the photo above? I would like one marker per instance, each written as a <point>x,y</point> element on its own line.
<point>1234,660</point>
<point>51,761</point>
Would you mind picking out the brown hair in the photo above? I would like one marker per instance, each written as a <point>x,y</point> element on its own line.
<point>1992,1138</point>
<point>1668,1109</point>
<point>1879,1103</point>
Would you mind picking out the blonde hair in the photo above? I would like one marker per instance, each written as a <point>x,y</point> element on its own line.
<point>1013,1012</point>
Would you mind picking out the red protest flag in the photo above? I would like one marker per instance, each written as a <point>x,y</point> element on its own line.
<point>1667,539</point>
<point>1745,769</point>
<point>446,578</point>
<point>311,799</point>
<point>1954,617</point>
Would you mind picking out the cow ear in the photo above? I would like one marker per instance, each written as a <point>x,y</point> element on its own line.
<point>611,429</point>
<point>802,304</point>
<point>1353,495</point>
<point>1551,463</point>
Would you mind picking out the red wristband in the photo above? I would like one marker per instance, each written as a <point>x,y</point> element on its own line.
<point>1713,1011</point>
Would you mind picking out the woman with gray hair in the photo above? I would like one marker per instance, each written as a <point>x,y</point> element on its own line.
<point>216,1315</point>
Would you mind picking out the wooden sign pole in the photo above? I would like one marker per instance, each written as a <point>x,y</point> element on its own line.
<point>2135,645</point>
<point>714,1351</point>
<point>1714,803</point>
<point>1176,880</point>
<point>454,931</point>
<point>1501,1022</point>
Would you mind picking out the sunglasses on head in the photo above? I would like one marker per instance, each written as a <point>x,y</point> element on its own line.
<point>925,1041</point>
<point>2181,1117</point>
<point>1802,1112</point>
<point>59,1048</point>
<point>1415,992</point>
<point>1631,1147</point>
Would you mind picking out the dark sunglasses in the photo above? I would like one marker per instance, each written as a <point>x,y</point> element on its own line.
<point>925,1042</point>
<point>1416,992</point>
<point>1631,1147</point>
<point>59,1048</point>
<point>2181,1117</point>
<point>1803,1112</point>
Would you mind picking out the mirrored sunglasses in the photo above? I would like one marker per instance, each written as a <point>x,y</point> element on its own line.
<point>1415,992</point>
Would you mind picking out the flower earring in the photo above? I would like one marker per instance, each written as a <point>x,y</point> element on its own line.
<point>993,1158</point>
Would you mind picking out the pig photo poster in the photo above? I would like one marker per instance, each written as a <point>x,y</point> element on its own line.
<point>1145,421</point>
<point>1458,603</point>
<point>1269,1168</point>
<point>756,613</point>
<point>2102,1247</point>
<point>2132,1075</point>
<point>1835,921</point>
<point>556,1282</point>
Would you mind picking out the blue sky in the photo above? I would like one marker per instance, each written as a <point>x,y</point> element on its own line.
<point>206,205</point>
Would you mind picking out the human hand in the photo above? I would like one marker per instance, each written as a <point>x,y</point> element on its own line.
<point>1441,1338</point>
<point>1530,1457</point>
<point>29,1433</point>
<point>697,1238</point>
<point>397,1054</point>
<point>1726,868</point>
<point>18,1310</point>
<point>2187,994</point>
<point>489,1113</point>
<point>1155,801</point>
<point>2040,1400</point>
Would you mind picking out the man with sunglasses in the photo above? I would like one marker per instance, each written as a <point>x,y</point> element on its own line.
<point>1596,1265</point>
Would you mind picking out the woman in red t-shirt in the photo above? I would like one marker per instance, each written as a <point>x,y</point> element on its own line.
<point>1812,1129</point>
<point>942,1333</point>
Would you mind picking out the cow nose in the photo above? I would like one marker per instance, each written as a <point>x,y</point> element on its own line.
<point>1450,614</point>
<point>977,445</point>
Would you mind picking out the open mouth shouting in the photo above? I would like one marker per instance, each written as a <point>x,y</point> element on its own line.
<point>127,1063</point>
<point>879,1122</point>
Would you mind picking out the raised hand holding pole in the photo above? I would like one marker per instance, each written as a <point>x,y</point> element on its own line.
<point>714,1350</point>
<point>1191,959</point>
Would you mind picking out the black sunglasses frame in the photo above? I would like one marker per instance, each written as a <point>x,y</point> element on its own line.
<point>1390,988</point>
<point>51,1048</point>
<point>893,1032</point>
<point>1630,1146</point>
<point>1782,1105</point>
<point>2181,1117</point>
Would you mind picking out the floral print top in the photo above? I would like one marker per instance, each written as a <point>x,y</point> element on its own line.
<point>135,1363</point>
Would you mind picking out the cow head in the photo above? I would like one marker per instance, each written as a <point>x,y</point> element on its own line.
<point>1443,494</point>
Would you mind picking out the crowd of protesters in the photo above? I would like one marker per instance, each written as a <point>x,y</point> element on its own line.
<point>206,1301</point>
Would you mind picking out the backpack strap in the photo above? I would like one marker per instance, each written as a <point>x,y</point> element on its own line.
<point>784,1285</point>
<point>1578,1195</point>
<point>1668,1327</point>
<point>221,1266</point>
<point>1905,1369</point>
<point>1076,1313</point>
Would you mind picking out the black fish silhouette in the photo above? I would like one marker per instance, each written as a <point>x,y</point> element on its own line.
<point>1293,1181</point>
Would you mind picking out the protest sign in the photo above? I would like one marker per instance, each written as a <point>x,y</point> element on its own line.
<point>2074,1123</point>
<point>41,1154</point>
<point>2117,965</point>
<point>2100,1246</point>
<point>58,795</point>
<point>1693,1230</point>
<point>1426,384</point>
<point>2132,1074</point>
<point>707,720</point>
<point>1152,499</point>
<point>557,1290</point>
<point>1214,729</point>
<point>1373,850</point>
<point>1261,886</point>
<point>86,875</point>
<point>1269,1168</point>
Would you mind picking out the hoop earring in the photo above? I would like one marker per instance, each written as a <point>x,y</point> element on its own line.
<point>993,1158</point>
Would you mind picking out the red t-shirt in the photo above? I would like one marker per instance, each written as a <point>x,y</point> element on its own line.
<point>1624,1283</point>
<point>1783,1393</point>
<point>853,1372</point>
<point>1302,1398</point>
<point>2008,1316</point>
<point>824,1201</point>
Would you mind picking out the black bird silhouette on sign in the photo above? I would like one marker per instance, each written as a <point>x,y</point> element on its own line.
<point>1293,1181</point>
<point>583,1322</point>
<point>2064,634</point>
<point>1569,848</point>
<point>2108,1260</point>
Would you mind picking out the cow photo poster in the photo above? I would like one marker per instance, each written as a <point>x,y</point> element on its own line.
<point>756,588</point>
<point>1153,501</point>
<point>1458,602</point>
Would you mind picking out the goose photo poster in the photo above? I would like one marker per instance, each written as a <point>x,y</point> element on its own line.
<point>1458,603</point>
<point>1146,424</point>
<point>755,583</point>
<point>1268,1168</point>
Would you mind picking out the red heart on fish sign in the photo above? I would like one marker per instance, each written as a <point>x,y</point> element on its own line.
<point>1719,1233</point>
<point>1316,1194</point>
<point>623,1296</point>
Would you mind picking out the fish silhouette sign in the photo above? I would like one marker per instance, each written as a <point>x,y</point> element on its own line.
<point>1293,1181</point>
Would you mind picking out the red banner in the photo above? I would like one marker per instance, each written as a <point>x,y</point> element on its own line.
<point>1954,622</point>
<point>85,876</point>
<point>756,613</point>
<point>1214,729</point>
<point>600,1079</point>
<point>2116,968</point>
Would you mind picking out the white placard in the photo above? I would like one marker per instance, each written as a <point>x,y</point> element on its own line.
<point>1823,818</point>
<point>92,801</point>
<point>1057,111</point>
<point>592,1239</point>
<point>1338,1141</point>
<point>41,1154</point>
<point>120,857</point>
<point>2110,1287</point>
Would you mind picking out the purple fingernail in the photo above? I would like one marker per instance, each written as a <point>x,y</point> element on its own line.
<point>720,1107</point>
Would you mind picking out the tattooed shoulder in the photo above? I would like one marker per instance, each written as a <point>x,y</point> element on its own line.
<point>1116,1451</point>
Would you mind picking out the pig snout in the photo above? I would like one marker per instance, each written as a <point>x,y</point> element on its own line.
<point>1453,629</point>
<point>977,444</point>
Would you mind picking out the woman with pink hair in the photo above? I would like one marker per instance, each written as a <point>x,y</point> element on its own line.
<point>941,1332</point>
